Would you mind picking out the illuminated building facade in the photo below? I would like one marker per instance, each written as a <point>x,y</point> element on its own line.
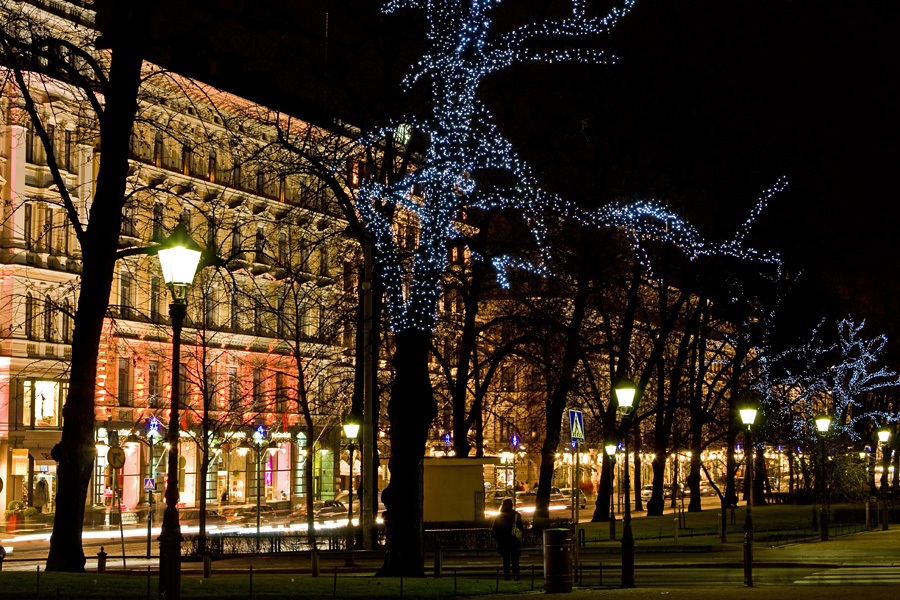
<point>203,158</point>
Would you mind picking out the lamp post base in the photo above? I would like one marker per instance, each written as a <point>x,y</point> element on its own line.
<point>748,559</point>
<point>627,557</point>
<point>170,565</point>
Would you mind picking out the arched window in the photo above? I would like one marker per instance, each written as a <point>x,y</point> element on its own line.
<point>158,149</point>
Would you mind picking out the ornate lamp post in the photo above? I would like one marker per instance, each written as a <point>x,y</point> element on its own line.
<point>823,423</point>
<point>625,395</point>
<point>611,448</point>
<point>748,418</point>
<point>351,430</point>
<point>179,257</point>
<point>884,435</point>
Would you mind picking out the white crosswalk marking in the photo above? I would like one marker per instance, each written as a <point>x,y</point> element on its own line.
<point>854,576</point>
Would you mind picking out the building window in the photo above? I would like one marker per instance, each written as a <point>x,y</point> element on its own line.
<point>123,389</point>
<point>67,323</point>
<point>281,392</point>
<point>212,226</point>
<point>51,137</point>
<point>155,298</point>
<point>235,312</point>
<point>27,225</point>
<point>153,399</point>
<point>49,317</point>
<point>187,155</point>
<point>236,240</point>
<point>41,403</point>
<point>323,260</point>
<point>67,150</point>
<point>29,317</point>
<point>62,240</point>
<point>259,391</point>
<point>260,180</point>
<point>211,165</point>
<point>158,149</point>
<point>236,172</point>
<point>234,389</point>
<point>128,226</point>
<point>125,295</point>
<point>209,307</point>
<point>29,142</point>
<point>47,230</point>
<point>259,246</point>
<point>158,216</point>
<point>282,249</point>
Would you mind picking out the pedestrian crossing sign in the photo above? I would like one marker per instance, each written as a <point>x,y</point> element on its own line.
<point>576,425</point>
<point>149,484</point>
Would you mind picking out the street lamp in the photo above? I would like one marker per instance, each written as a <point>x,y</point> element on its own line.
<point>152,434</point>
<point>514,442</point>
<point>748,417</point>
<point>625,394</point>
<point>179,257</point>
<point>260,443</point>
<point>351,430</point>
<point>884,435</point>
<point>823,422</point>
<point>611,448</point>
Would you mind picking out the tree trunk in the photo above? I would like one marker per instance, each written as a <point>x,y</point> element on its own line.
<point>604,490</point>
<point>75,452</point>
<point>411,410</point>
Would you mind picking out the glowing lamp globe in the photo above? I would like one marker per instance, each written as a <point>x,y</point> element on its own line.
<point>625,392</point>
<point>179,257</point>
<point>611,449</point>
<point>351,430</point>
<point>884,435</point>
<point>748,416</point>
<point>823,422</point>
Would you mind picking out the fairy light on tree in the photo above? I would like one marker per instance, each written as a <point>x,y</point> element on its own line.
<point>461,141</point>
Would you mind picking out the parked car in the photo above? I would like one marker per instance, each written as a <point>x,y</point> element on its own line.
<point>191,517</point>
<point>567,494</point>
<point>323,510</point>
<point>493,499</point>
<point>647,491</point>
<point>678,490</point>
<point>246,515</point>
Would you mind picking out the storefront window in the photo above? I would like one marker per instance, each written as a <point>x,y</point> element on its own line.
<point>41,403</point>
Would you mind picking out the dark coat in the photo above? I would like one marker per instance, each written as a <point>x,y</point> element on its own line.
<point>501,531</point>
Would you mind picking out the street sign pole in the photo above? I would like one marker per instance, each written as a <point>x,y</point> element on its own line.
<point>576,429</point>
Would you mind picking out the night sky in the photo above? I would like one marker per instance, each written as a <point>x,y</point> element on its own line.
<point>709,103</point>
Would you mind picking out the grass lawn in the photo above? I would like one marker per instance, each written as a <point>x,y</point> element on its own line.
<point>770,523</point>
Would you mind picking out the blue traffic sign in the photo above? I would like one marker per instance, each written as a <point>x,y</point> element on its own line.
<point>576,425</point>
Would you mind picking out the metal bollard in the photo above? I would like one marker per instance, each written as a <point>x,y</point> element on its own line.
<point>207,566</point>
<point>2,556</point>
<point>438,563</point>
<point>314,562</point>
<point>676,530</point>
<point>101,561</point>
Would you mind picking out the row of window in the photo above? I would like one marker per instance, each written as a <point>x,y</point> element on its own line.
<point>47,320</point>
<point>62,147</point>
<point>265,391</point>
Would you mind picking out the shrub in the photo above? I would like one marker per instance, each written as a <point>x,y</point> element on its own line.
<point>31,512</point>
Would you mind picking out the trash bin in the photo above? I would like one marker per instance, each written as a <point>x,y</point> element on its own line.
<point>557,561</point>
